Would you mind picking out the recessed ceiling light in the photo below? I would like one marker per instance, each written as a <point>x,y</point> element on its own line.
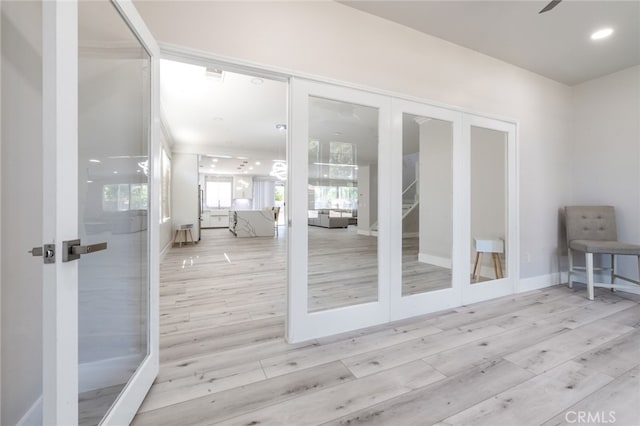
<point>89,181</point>
<point>93,160</point>
<point>257,163</point>
<point>138,171</point>
<point>245,172</point>
<point>281,127</point>
<point>250,168</point>
<point>214,160</point>
<point>326,175</point>
<point>337,133</point>
<point>115,172</point>
<point>257,81</point>
<point>603,33</point>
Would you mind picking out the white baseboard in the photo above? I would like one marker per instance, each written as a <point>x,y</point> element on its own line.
<point>443,262</point>
<point>165,250</point>
<point>540,281</point>
<point>108,372</point>
<point>367,233</point>
<point>33,416</point>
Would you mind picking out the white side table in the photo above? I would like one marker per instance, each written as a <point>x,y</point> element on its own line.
<point>495,247</point>
<point>183,231</point>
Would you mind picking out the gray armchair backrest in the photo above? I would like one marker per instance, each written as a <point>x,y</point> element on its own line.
<point>591,223</point>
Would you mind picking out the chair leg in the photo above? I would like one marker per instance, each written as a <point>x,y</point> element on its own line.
<point>569,277</point>
<point>475,274</point>
<point>613,271</point>
<point>589,270</point>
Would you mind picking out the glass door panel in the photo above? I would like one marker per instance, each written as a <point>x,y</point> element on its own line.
<point>427,204</point>
<point>488,204</point>
<point>343,204</point>
<point>339,179</point>
<point>114,92</point>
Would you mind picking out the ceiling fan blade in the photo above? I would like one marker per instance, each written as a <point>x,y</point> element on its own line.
<point>550,6</point>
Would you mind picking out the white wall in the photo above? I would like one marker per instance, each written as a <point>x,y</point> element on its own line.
<point>436,190</point>
<point>335,41</point>
<point>605,151</point>
<point>184,198</point>
<point>21,208</point>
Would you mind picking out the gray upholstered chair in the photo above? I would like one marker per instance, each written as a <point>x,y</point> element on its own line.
<point>592,230</point>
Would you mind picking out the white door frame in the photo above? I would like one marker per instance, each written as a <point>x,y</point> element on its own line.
<point>480,291</point>
<point>422,303</point>
<point>60,217</point>
<point>302,325</point>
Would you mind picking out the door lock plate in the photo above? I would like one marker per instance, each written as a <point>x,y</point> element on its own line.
<point>47,251</point>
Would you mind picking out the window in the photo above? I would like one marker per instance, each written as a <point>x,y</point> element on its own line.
<point>218,194</point>
<point>165,182</point>
<point>121,197</point>
<point>334,197</point>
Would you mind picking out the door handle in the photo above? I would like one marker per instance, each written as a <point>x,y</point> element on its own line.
<point>72,249</point>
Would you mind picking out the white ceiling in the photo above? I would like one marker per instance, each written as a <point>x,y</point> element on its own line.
<point>233,117</point>
<point>555,44</point>
<point>232,123</point>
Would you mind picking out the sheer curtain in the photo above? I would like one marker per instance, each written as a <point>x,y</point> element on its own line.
<point>263,193</point>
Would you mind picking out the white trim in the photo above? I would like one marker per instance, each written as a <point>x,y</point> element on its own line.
<point>443,262</point>
<point>60,201</point>
<point>33,416</point>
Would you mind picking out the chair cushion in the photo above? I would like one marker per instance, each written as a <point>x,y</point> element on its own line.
<point>591,223</point>
<point>605,247</point>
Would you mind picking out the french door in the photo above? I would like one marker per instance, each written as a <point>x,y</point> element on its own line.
<point>429,225</point>
<point>492,234</point>
<point>339,155</point>
<point>100,186</point>
<point>398,209</point>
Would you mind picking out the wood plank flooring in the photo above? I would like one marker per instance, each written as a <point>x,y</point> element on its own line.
<point>520,360</point>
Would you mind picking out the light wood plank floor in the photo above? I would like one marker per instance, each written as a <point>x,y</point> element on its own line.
<point>521,360</point>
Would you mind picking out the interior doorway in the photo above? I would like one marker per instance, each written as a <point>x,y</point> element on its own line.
<point>225,134</point>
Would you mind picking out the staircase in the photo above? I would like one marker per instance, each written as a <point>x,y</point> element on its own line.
<point>410,201</point>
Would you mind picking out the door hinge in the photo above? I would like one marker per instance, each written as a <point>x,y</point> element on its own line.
<point>47,251</point>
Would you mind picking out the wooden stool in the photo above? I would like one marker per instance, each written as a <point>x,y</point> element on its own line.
<point>495,247</point>
<point>183,230</point>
